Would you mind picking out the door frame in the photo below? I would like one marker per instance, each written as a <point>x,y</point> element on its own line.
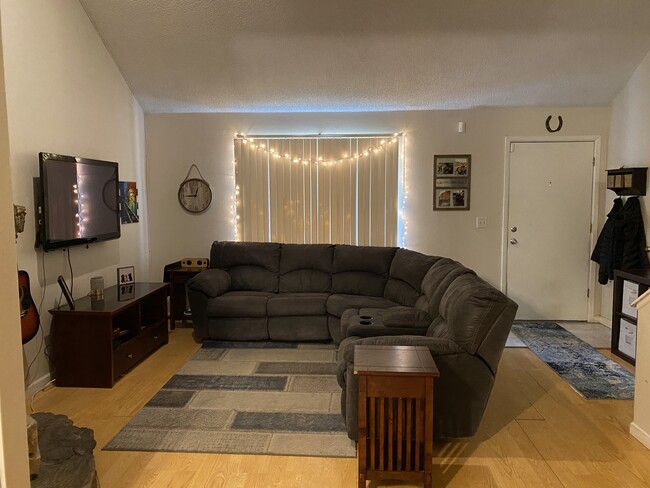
<point>591,317</point>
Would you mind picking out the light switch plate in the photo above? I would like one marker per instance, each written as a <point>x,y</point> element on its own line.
<point>481,222</point>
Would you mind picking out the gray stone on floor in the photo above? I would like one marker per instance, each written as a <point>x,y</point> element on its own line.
<point>66,453</point>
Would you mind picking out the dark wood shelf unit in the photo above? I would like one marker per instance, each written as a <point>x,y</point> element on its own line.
<point>99,341</point>
<point>641,277</point>
<point>627,181</point>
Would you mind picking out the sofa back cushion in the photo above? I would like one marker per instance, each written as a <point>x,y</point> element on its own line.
<point>306,268</point>
<point>470,307</point>
<point>407,270</point>
<point>361,270</point>
<point>435,283</point>
<point>253,266</point>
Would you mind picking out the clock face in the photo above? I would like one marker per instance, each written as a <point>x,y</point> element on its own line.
<point>195,195</point>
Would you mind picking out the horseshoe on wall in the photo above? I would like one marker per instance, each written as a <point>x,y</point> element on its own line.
<point>559,125</point>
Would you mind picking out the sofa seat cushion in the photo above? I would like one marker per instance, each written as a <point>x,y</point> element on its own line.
<point>337,304</point>
<point>294,304</point>
<point>239,304</point>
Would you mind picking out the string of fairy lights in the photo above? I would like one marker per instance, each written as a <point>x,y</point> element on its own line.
<point>384,143</point>
<point>261,146</point>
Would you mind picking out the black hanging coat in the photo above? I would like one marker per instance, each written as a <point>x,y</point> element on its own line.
<point>621,244</point>
<point>604,253</point>
<point>634,243</point>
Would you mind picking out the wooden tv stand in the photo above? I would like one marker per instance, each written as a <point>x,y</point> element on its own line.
<point>99,341</point>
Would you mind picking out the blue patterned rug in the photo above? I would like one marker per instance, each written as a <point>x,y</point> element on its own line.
<point>589,372</point>
<point>246,398</point>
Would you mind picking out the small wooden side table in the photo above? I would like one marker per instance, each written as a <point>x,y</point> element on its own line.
<point>395,412</point>
<point>178,299</point>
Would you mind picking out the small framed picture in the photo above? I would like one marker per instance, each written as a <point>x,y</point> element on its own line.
<point>451,181</point>
<point>125,283</point>
<point>126,275</point>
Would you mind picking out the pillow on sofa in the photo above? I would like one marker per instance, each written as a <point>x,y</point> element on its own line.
<point>407,270</point>
<point>361,270</point>
<point>306,268</point>
<point>211,282</point>
<point>253,266</point>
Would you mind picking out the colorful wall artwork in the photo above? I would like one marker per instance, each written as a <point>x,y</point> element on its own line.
<point>128,202</point>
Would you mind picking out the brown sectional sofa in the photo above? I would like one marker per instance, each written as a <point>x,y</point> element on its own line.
<point>316,292</point>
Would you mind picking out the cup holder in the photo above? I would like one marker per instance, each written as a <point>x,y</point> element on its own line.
<point>365,322</point>
<point>365,317</point>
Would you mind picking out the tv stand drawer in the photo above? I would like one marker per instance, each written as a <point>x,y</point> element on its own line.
<point>132,352</point>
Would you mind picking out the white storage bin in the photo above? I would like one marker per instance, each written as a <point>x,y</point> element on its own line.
<point>627,339</point>
<point>630,293</point>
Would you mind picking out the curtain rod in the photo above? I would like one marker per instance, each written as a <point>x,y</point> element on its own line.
<point>319,136</point>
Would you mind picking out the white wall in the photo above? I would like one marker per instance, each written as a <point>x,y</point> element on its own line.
<point>629,143</point>
<point>174,141</point>
<point>66,95</point>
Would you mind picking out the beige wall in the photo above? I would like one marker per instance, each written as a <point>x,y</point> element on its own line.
<point>14,470</point>
<point>66,95</point>
<point>629,143</point>
<point>174,141</point>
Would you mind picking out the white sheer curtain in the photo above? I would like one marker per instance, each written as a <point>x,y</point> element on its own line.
<point>341,190</point>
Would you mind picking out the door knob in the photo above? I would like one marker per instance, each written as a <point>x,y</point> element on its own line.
<point>513,229</point>
<point>514,241</point>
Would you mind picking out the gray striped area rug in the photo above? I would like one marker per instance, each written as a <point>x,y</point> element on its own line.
<point>246,398</point>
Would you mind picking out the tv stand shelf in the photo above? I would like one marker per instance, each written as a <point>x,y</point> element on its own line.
<point>99,341</point>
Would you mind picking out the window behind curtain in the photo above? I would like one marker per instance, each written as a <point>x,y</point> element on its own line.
<point>341,190</point>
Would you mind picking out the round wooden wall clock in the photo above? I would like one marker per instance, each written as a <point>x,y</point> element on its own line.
<point>195,194</point>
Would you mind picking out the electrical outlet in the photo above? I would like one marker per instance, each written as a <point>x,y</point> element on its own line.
<point>481,222</point>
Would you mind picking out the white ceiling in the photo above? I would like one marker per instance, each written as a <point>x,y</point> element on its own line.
<point>371,55</point>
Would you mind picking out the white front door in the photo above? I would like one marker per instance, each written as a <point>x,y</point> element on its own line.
<point>548,229</point>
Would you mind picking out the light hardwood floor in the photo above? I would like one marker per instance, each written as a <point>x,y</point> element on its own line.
<point>537,432</point>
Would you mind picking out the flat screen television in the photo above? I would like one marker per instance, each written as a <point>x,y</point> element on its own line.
<point>79,201</point>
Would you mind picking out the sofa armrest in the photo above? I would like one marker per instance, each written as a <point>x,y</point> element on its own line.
<point>211,282</point>
<point>438,347</point>
<point>409,318</point>
<point>381,330</point>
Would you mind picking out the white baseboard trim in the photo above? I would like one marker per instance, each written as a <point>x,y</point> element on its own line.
<point>607,322</point>
<point>639,434</point>
<point>38,385</point>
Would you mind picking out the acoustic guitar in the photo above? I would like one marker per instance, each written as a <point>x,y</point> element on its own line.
<point>29,319</point>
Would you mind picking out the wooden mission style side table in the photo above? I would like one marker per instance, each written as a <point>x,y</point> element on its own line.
<point>395,412</point>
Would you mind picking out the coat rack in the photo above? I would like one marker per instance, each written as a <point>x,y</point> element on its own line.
<point>627,181</point>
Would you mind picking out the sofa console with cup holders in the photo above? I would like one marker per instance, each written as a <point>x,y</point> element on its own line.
<point>361,295</point>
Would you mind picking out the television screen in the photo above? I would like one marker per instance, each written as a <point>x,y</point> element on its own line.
<point>80,200</point>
